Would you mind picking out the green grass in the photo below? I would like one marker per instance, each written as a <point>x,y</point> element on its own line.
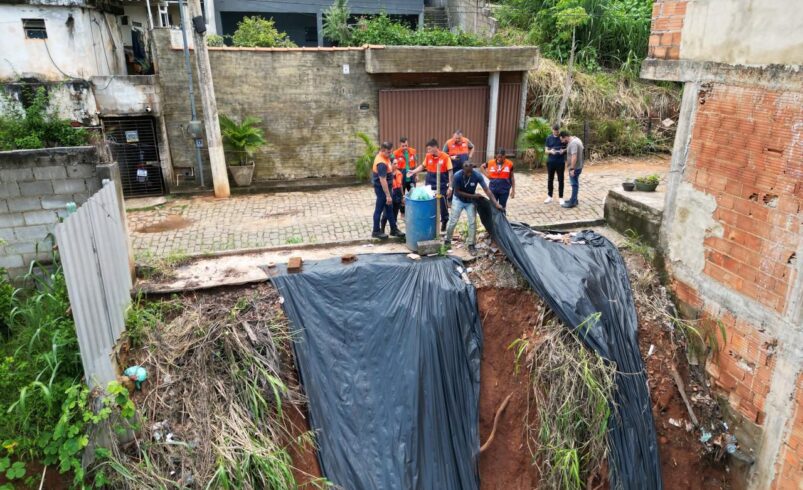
<point>151,266</point>
<point>294,240</point>
<point>571,388</point>
<point>636,244</point>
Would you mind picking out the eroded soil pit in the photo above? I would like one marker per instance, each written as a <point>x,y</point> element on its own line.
<point>508,309</point>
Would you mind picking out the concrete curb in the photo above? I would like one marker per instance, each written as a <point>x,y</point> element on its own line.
<point>563,225</point>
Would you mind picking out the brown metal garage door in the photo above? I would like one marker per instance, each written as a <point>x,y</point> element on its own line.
<point>422,114</point>
<point>507,122</point>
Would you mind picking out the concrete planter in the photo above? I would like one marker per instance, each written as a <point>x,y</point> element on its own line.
<point>242,174</point>
<point>645,187</point>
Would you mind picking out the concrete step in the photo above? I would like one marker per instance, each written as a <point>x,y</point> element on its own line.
<point>436,17</point>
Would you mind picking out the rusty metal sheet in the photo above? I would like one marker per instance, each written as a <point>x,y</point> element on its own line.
<point>508,118</point>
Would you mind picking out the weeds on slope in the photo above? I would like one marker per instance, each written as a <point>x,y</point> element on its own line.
<point>215,410</point>
<point>569,404</point>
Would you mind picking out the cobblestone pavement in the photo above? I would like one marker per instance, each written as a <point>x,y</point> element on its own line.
<point>202,224</point>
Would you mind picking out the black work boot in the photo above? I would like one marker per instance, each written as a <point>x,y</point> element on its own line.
<point>397,233</point>
<point>379,234</point>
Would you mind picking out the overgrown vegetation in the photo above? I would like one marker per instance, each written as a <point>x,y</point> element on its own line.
<point>48,413</point>
<point>362,166</point>
<point>381,29</point>
<point>151,266</point>
<point>215,40</point>
<point>257,32</point>
<point>610,34</point>
<point>217,408</point>
<point>569,402</point>
<point>533,139</point>
<point>36,126</point>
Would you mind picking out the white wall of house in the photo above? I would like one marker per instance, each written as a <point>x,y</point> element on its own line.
<point>81,43</point>
<point>743,32</point>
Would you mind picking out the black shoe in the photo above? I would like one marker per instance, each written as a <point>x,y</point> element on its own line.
<point>472,250</point>
<point>443,227</point>
<point>568,205</point>
<point>397,233</point>
<point>378,234</point>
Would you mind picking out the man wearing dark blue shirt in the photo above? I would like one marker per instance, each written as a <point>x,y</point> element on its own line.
<point>555,162</point>
<point>464,184</point>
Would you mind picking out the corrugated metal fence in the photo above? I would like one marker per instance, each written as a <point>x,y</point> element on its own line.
<point>94,254</point>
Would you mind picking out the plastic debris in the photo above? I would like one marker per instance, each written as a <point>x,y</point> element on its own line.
<point>676,422</point>
<point>421,194</point>
<point>651,351</point>
<point>137,374</point>
<point>413,256</point>
<point>705,437</point>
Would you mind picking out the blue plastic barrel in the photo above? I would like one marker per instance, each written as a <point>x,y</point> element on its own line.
<point>419,219</point>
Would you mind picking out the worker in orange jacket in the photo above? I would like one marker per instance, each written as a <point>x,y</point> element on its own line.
<point>499,171</point>
<point>459,148</point>
<point>405,157</point>
<point>396,194</point>
<point>382,178</point>
<point>437,162</point>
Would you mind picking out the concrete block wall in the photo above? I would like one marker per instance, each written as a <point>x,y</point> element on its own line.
<point>310,108</point>
<point>667,24</point>
<point>35,188</point>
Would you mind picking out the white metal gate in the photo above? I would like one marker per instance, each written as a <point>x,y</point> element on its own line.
<point>93,245</point>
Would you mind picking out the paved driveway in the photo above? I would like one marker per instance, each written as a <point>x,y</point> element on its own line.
<point>199,225</point>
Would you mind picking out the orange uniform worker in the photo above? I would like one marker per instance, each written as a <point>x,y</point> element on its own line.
<point>382,178</point>
<point>437,162</point>
<point>404,157</point>
<point>459,148</point>
<point>397,194</point>
<point>500,172</point>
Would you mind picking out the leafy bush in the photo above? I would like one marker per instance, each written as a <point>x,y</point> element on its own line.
<point>243,138</point>
<point>652,179</point>
<point>256,32</point>
<point>215,40</point>
<point>37,126</point>
<point>383,30</point>
<point>534,136</point>
<point>615,35</point>
<point>364,162</point>
<point>335,23</point>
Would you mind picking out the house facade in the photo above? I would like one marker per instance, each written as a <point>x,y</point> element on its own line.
<point>732,221</point>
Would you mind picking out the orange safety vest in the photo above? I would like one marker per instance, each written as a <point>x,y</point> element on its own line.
<point>402,162</point>
<point>441,163</point>
<point>380,158</point>
<point>456,148</point>
<point>496,171</point>
<point>397,180</point>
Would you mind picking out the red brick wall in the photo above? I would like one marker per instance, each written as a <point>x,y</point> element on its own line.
<point>790,460</point>
<point>667,23</point>
<point>747,152</point>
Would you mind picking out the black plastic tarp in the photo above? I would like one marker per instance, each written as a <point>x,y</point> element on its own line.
<point>578,281</point>
<point>388,350</point>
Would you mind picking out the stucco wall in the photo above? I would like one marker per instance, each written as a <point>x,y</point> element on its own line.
<point>68,50</point>
<point>750,32</point>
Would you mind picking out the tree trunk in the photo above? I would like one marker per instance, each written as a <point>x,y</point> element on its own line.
<point>567,86</point>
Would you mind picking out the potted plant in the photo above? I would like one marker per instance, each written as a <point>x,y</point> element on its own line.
<point>648,183</point>
<point>243,140</point>
<point>628,185</point>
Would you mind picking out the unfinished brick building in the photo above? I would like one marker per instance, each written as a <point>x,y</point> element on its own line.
<point>732,222</point>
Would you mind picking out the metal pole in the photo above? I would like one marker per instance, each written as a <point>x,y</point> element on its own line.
<point>188,68</point>
<point>438,200</point>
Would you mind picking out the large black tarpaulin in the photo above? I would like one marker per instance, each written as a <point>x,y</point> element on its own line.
<point>579,281</point>
<point>388,350</point>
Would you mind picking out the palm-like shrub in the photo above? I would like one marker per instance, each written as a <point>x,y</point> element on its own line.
<point>533,137</point>
<point>244,138</point>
